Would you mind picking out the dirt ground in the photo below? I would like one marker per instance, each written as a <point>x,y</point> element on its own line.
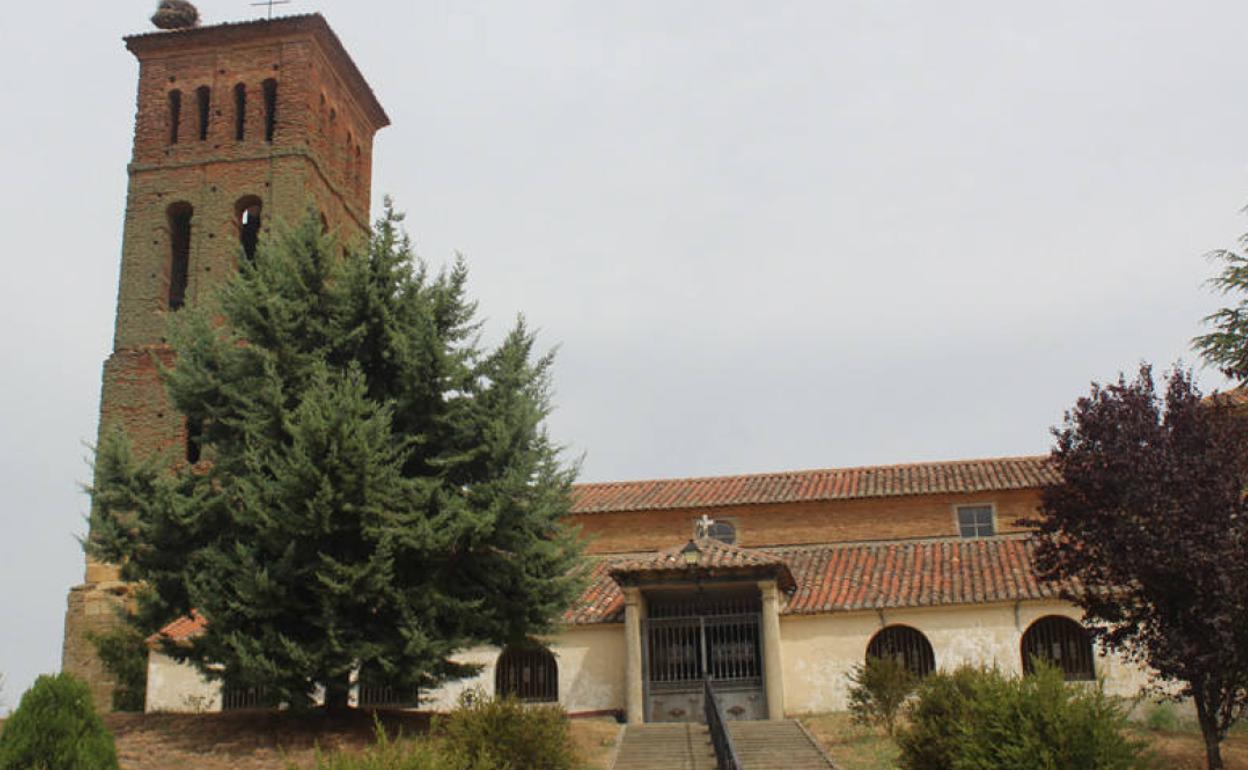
<point>273,741</point>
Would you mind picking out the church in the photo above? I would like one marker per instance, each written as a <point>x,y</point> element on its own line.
<point>774,585</point>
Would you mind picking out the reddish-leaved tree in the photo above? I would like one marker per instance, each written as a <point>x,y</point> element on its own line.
<point>1148,534</point>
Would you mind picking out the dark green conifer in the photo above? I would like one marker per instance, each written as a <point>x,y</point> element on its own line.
<point>55,727</point>
<point>377,490</point>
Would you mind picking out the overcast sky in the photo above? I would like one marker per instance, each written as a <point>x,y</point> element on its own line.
<point>764,235</point>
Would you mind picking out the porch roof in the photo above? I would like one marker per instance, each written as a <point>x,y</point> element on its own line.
<point>715,560</point>
<point>843,577</point>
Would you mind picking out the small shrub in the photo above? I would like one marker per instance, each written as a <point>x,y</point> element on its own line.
<point>1162,717</point>
<point>527,737</point>
<point>978,719</point>
<point>55,727</point>
<point>877,691</point>
<point>402,754</point>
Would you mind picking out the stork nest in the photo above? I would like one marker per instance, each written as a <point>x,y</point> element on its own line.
<point>176,14</point>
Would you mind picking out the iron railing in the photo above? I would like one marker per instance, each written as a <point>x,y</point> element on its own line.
<point>717,726</point>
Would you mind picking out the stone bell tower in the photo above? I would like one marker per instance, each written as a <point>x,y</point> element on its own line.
<point>237,126</point>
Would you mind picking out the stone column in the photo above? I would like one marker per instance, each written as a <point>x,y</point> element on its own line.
<point>634,699</point>
<point>773,669</point>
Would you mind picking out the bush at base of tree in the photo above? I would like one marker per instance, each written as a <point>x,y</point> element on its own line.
<point>877,691</point>
<point>403,754</point>
<point>979,719</point>
<point>527,737</point>
<point>482,733</point>
<point>55,727</point>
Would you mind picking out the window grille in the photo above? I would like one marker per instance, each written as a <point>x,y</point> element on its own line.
<point>527,674</point>
<point>240,698</point>
<point>374,694</point>
<point>906,644</point>
<point>1061,642</point>
<point>975,521</point>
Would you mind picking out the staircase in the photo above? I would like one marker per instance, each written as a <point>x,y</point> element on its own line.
<point>666,746</point>
<point>781,745</point>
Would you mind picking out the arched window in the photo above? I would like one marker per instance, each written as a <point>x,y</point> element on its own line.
<point>175,114</point>
<point>179,216</point>
<point>529,674</point>
<point>247,214</point>
<point>270,109</point>
<point>240,112</point>
<point>723,531</point>
<point>906,644</point>
<point>203,95</point>
<point>1060,642</point>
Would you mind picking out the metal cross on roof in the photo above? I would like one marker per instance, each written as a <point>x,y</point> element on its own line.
<point>270,4</point>
<point>704,526</point>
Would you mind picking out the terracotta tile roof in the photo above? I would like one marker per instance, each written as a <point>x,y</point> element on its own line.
<point>912,574</point>
<point>181,629</point>
<point>713,556</point>
<point>829,578</point>
<point>959,476</point>
<point>866,576</point>
<point>1235,397</point>
<point>602,601</point>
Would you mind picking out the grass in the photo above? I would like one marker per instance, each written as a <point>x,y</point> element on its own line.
<point>854,747</point>
<point>274,740</point>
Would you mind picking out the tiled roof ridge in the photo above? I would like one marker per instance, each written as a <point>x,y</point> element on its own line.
<point>816,485</point>
<point>805,471</point>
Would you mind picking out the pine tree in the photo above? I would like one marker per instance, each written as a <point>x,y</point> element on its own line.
<point>377,490</point>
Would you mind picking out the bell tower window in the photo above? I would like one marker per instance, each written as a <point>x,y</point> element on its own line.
<point>240,112</point>
<point>247,211</point>
<point>175,114</point>
<point>179,215</point>
<point>270,109</point>
<point>203,95</point>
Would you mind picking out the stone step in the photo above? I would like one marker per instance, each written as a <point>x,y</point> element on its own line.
<point>679,746</point>
<point>779,745</point>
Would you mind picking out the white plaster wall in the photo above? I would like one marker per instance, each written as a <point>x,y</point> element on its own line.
<point>178,687</point>
<point>591,671</point>
<point>591,668</point>
<point>819,651</point>
<point>445,697</point>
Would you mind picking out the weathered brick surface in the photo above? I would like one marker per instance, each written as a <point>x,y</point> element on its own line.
<point>799,523</point>
<point>320,155</point>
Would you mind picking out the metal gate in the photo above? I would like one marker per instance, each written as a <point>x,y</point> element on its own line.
<point>690,639</point>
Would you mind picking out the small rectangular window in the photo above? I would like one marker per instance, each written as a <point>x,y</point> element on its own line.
<point>175,114</point>
<point>975,521</point>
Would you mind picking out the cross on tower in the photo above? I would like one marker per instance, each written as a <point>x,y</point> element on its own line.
<point>270,4</point>
<point>704,526</point>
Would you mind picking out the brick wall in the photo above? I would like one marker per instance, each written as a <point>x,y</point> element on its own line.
<point>809,522</point>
